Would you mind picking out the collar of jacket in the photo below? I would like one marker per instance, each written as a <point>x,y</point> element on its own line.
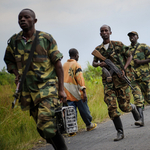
<point>110,46</point>
<point>71,60</point>
<point>20,36</point>
<point>134,45</point>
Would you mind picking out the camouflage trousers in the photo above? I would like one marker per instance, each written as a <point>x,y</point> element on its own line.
<point>113,94</point>
<point>142,91</point>
<point>44,116</point>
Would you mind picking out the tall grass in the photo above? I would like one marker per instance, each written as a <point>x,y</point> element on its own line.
<point>17,129</point>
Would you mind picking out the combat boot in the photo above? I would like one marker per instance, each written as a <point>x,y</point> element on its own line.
<point>140,122</point>
<point>118,125</point>
<point>135,112</point>
<point>57,142</point>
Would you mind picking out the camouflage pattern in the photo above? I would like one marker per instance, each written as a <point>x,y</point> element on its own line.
<point>41,80</point>
<point>137,94</point>
<point>113,94</point>
<point>117,90</point>
<point>141,73</point>
<point>40,89</point>
<point>44,116</point>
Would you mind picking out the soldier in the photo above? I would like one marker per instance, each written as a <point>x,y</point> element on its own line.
<point>117,90</point>
<point>140,66</point>
<point>40,93</point>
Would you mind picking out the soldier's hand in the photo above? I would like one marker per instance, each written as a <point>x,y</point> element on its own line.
<point>62,96</point>
<point>123,73</point>
<point>103,64</point>
<point>17,79</point>
<point>136,61</point>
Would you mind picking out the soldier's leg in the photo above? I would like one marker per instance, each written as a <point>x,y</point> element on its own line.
<point>124,101</point>
<point>57,141</point>
<point>137,94</point>
<point>110,99</point>
<point>47,123</point>
<point>118,125</point>
<point>145,88</point>
<point>139,102</point>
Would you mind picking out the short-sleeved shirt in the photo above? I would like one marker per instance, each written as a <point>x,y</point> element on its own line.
<point>142,52</point>
<point>41,80</point>
<point>73,80</point>
<point>114,47</point>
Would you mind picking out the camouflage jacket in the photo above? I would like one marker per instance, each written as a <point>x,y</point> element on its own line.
<point>110,53</point>
<point>142,52</point>
<point>41,80</point>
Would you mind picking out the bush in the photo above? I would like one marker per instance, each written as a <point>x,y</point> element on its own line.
<point>6,78</point>
<point>91,72</point>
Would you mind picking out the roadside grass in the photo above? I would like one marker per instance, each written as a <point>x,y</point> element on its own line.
<point>17,128</point>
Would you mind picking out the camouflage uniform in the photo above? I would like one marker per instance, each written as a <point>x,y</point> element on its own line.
<point>141,73</point>
<point>40,89</point>
<point>117,90</point>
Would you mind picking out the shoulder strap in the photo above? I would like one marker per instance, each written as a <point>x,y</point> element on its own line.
<point>135,49</point>
<point>28,61</point>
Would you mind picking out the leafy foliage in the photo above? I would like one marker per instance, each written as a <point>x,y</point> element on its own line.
<point>6,78</point>
<point>92,74</point>
<point>15,125</point>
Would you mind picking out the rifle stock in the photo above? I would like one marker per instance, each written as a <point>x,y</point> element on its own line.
<point>98,55</point>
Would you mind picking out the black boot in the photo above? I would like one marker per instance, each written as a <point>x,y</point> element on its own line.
<point>135,112</point>
<point>140,122</point>
<point>58,142</point>
<point>118,125</point>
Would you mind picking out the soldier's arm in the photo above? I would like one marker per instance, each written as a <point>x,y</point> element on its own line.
<point>60,75</point>
<point>147,56</point>
<point>128,62</point>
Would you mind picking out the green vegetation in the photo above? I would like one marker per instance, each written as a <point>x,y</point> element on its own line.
<point>17,128</point>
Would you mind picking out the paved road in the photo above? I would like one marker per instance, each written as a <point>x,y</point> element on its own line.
<point>101,138</point>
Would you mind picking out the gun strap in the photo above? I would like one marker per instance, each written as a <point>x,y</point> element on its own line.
<point>29,60</point>
<point>135,49</point>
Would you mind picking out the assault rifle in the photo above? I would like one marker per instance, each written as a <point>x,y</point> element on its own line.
<point>16,94</point>
<point>113,67</point>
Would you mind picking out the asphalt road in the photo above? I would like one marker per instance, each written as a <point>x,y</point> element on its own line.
<point>101,138</point>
